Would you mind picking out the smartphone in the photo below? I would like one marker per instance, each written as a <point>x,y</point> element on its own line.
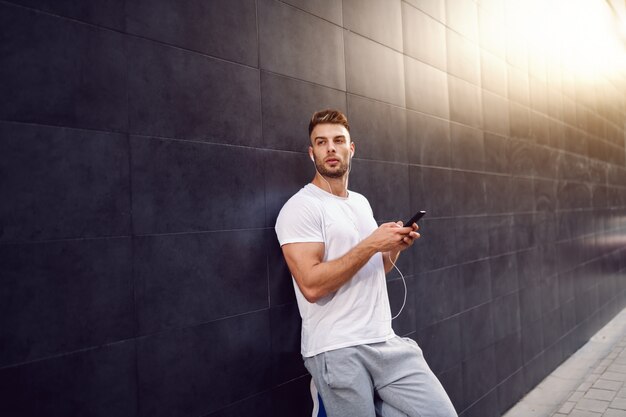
<point>415,218</point>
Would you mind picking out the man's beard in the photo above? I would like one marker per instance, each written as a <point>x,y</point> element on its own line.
<point>337,173</point>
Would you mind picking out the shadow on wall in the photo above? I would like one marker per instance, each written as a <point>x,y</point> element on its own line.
<point>146,148</point>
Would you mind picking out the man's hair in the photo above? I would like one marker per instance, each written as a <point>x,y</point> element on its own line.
<point>328,116</point>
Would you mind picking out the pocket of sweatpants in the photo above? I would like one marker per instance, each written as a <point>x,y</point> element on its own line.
<point>317,365</point>
<point>341,369</point>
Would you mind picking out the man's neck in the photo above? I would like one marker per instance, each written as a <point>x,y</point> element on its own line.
<point>337,185</point>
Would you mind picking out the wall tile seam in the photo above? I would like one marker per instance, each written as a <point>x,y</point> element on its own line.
<point>281,384</point>
<point>63,127</point>
<point>405,55</point>
<point>67,353</point>
<point>234,403</point>
<point>545,349</point>
<point>378,101</point>
<point>432,116</point>
<point>133,235</point>
<point>472,308</point>
<point>59,16</point>
<point>256,394</point>
<point>397,278</point>
<point>130,35</point>
<point>308,12</point>
<point>265,206</point>
<point>508,294</point>
<point>188,326</point>
<point>550,117</point>
<point>480,97</point>
<point>207,143</point>
<point>62,240</point>
<point>425,12</point>
<point>309,82</point>
<point>488,393</point>
<point>372,40</point>
<point>293,302</point>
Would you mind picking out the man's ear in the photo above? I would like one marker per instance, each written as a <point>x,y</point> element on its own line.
<point>352,146</point>
<point>311,154</point>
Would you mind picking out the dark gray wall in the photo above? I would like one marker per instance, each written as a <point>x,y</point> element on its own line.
<point>147,146</point>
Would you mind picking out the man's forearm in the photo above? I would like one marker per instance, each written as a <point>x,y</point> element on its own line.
<point>327,277</point>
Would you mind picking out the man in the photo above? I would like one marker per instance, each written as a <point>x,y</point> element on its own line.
<point>338,257</point>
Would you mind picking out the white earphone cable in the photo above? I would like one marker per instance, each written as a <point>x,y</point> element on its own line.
<point>389,256</point>
<point>405,288</point>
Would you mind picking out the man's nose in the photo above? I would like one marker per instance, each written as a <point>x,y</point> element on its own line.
<point>331,148</point>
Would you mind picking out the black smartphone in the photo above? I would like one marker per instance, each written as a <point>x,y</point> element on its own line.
<point>415,218</point>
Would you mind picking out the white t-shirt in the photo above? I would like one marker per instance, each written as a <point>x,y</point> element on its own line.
<point>357,313</point>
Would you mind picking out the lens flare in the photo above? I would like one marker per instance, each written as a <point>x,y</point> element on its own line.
<point>585,37</point>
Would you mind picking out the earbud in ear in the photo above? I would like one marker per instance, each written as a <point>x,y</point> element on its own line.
<point>312,159</point>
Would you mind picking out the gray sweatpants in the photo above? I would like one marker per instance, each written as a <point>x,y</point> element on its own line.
<point>347,380</point>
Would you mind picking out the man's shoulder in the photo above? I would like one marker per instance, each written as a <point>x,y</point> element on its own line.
<point>301,202</point>
<point>303,196</point>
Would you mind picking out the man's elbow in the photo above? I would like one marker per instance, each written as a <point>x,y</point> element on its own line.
<point>312,295</point>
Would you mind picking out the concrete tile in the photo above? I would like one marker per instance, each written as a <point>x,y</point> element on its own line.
<point>567,407</point>
<point>611,412</point>
<point>586,404</point>
<point>529,410</point>
<point>592,377</point>
<point>606,384</point>
<point>581,413</point>
<point>621,393</point>
<point>576,396</point>
<point>619,403</point>
<point>584,386</point>
<point>546,395</point>
<point>600,394</point>
<point>618,368</point>
<point>614,376</point>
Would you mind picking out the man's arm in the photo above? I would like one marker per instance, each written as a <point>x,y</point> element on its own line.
<point>317,279</point>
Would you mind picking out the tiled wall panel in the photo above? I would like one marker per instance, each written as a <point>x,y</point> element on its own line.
<point>147,147</point>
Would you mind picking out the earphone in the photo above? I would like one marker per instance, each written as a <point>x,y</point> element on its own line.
<point>389,255</point>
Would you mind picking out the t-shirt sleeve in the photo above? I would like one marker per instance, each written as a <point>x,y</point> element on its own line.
<point>300,220</point>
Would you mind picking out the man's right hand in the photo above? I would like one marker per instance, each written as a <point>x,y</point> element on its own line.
<point>390,237</point>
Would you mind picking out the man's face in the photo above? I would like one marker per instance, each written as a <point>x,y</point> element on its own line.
<point>331,148</point>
